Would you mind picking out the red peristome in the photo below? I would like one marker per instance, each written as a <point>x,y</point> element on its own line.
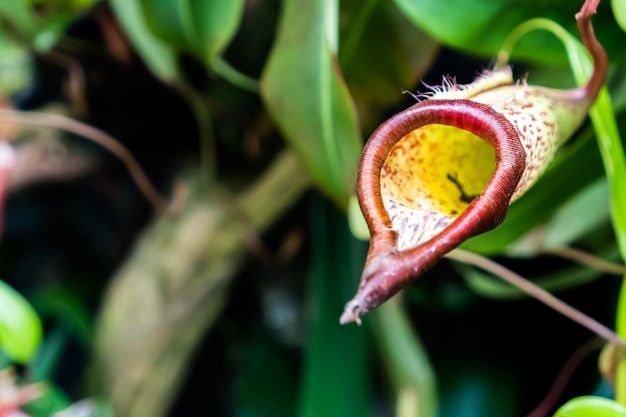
<point>387,270</point>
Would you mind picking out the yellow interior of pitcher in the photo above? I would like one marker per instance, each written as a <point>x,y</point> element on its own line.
<point>437,168</point>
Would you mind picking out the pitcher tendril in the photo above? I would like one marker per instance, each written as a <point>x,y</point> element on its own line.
<point>447,168</point>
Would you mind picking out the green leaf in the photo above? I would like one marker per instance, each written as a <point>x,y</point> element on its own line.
<point>199,27</point>
<point>157,55</point>
<point>477,387</point>
<point>171,21</point>
<point>52,400</point>
<point>63,305</point>
<point>216,22</point>
<point>308,99</point>
<point>20,328</point>
<point>267,385</point>
<point>336,376</point>
<point>591,406</point>
<point>19,15</point>
<point>377,68</point>
<point>619,11</point>
<point>579,216</point>
<point>608,137</point>
<point>16,67</point>
<point>481,26</point>
<point>405,360</point>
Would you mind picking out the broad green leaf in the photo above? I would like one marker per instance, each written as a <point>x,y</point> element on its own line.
<point>216,22</point>
<point>171,21</point>
<point>157,55</point>
<point>591,406</point>
<point>619,11</point>
<point>405,360</point>
<point>308,99</point>
<point>199,27</point>
<point>20,328</point>
<point>480,26</point>
<point>612,151</point>
<point>266,385</point>
<point>19,15</point>
<point>579,216</point>
<point>65,307</point>
<point>336,375</point>
<point>378,68</point>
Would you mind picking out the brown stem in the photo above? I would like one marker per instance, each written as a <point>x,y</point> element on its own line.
<point>588,259</point>
<point>548,402</point>
<point>98,136</point>
<point>538,293</point>
<point>588,37</point>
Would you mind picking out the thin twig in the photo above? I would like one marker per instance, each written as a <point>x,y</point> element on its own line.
<point>98,136</point>
<point>538,293</point>
<point>565,374</point>
<point>587,259</point>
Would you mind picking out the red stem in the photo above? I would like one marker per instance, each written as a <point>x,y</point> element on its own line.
<point>588,37</point>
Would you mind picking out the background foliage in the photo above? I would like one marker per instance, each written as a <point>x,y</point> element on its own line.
<point>230,306</point>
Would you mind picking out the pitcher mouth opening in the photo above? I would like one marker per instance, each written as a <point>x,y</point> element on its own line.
<point>433,174</point>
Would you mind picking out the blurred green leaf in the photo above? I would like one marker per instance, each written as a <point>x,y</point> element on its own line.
<point>157,55</point>
<point>479,27</point>
<point>378,68</point>
<point>20,328</point>
<point>201,28</point>
<point>16,67</point>
<point>580,215</point>
<point>336,376</point>
<point>19,15</point>
<point>619,11</point>
<point>48,357</point>
<point>405,360</point>
<point>67,308</point>
<point>608,137</point>
<point>52,401</point>
<point>41,25</point>
<point>307,98</point>
<point>217,22</point>
<point>478,387</point>
<point>171,21</point>
<point>267,385</point>
<point>590,406</point>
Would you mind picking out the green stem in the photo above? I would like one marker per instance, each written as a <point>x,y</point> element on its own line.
<point>620,374</point>
<point>541,24</point>
<point>232,75</point>
<point>202,115</point>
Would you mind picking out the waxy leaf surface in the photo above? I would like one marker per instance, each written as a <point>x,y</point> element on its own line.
<point>479,27</point>
<point>305,93</point>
